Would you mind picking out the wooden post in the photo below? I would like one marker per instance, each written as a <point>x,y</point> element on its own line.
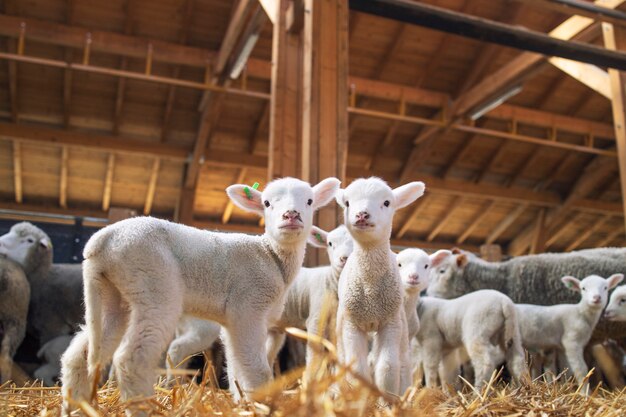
<point>615,39</point>
<point>538,244</point>
<point>491,253</point>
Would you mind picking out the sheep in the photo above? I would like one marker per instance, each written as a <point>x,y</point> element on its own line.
<point>15,295</point>
<point>143,273</point>
<point>567,327</point>
<point>616,309</point>
<point>56,306</point>
<point>483,322</point>
<point>370,289</point>
<point>193,335</point>
<point>313,290</point>
<point>530,279</point>
<point>50,355</point>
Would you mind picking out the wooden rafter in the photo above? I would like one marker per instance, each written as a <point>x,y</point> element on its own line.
<point>519,171</point>
<point>481,214</point>
<point>599,223</point>
<point>121,82</point>
<point>154,177</point>
<point>67,73</point>
<point>417,209</point>
<point>557,232</point>
<point>63,177</point>
<point>17,171</point>
<point>12,79</point>
<point>450,211</point>
<point>611,237</point>
<point>228,210</point>
<point>506,223</point>
<point>539,237</point>
<point>261,124</point>
<point>108,183</point>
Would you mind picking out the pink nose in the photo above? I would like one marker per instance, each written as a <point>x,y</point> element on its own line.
<point>596,298</point>
<point>363,215</point>
<point>414,277</point>
<point>343,259</point>
<point>290,215</point>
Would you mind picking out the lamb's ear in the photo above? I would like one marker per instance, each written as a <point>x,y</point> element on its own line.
<point>246,198</point>
<point>45,243</point>
<point>339,197</point>
<point>614,280</point>
<point>408,193</point>
<point>461,260</point>
<point>571,283</point>
<point>456,251</point>
<point>324,191</point>
<point>317,238</point>
<point>438,257</point>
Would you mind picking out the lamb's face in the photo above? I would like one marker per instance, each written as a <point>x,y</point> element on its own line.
<point>616,310</point>
<point>414,267</point>
<point>287,204</point>
<point>443,277</point>
<point>593,289</point>
<point>369,205</point>
<point>25,245</point>
<point>339,247</point>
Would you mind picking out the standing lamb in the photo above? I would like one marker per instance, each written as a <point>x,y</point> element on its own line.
<point>50,355</point>
<point>56,303</point>
<point>313,290</point>
<point>15,294</point>
<point>370,289</point>
<point>616,309</point>
<point>484,323</point>
<point>142,274</point>
<point>531,279</point>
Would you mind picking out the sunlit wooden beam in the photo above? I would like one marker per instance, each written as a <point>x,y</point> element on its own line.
<point>17,171</point>
<point>154,177</point>
<point>108,183</point>
<point>63,178</point>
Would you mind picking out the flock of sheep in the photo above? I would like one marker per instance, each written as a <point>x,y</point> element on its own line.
<point>152,286</point>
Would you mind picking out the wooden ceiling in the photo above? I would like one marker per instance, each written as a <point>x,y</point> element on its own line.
<point>78,138</point>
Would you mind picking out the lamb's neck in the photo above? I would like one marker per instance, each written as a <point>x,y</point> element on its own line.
<point>332,278</point>
<point>39,273</point>
<point>590,314</point>
<point>289,257</point>
<point>372,255</point>
<point>411,300</point>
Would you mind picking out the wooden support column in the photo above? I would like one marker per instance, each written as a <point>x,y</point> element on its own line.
<point>63,178</point>
<point>108,183</point>
<point>615,39</point>
<point>539,238</point>
<point>17,171</point>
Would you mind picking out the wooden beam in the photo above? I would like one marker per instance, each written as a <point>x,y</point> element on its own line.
<point>418,207</point>
<point>67,73</point>
<point>261,124</point>
<point>154,177</point>
<point>228,210</point>
<point>611,237</point>
<point>506,223</point>
<point>557,231</point>
<point>17,171</point>
<point>491,163</point>
<point>452,207</point>
<point>12,79</point>
<point>525,165</point>
<point>581,8</point>
<point>539,238</point>
<point>587,233</point>
<point>481,214</point>
<point>590,75</point>
<point>108,183</point>
<point>613,40</point>
<point>485,30</point>
<point>119,98</point>
<point>63,177</point>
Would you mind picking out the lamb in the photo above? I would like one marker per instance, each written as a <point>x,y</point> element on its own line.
<point>15,294</point>
<point>50,355</point>
<point>531,279</point>
<point>313,289</point>
<point>56,306</point>
<point>616,309</point>
<point>143,273</point>
<point>484,323</point>
<point>370,288</point>
<point>567,327</point>
<point>193,335</point>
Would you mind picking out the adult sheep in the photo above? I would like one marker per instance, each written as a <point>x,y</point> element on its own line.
<point>14,293</point>
<point>530,279</point>
<point>142,274</point>
<point>56,303</point>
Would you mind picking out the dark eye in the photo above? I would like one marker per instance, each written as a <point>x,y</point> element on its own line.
<point>267,203</point>
<point>606,288</point>
<point>441,271</point>
<point>330,244</point>
<point>310,201</point>
<point>29,240</point>
<point>399,265</point>
<point>386,203</point>
<point>623,300</point>
<point>583,288</point>
<point>347,204</point>
<point>426,266</point>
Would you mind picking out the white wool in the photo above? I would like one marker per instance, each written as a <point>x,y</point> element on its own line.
<point>616,309</point>
<point>484,323</point>
<point>164,270</point>
<point>567,327</point>
<point>50,356</point>
<point>370,289</point>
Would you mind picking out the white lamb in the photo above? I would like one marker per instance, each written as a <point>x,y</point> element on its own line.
<point>567,327</point>
<point>50,356</point>
<point>370,289</point>
<point>313,289</point>
<point>483,322</point>
<point>616,309</point>
<point>142,274</point>
<point>193,335</point>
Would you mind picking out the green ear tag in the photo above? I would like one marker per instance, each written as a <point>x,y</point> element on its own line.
<point>247,190</point>
<point>319,238</point>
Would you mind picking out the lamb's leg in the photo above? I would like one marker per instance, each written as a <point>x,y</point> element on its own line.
<point>7,350</point>
<point>355,348</point>
<point>275,341</point>
<point>481,357</point>
<point>405,362</point>
<point>576,360</point>
<point>246,356</point>
<point>431,358</point>
<point>193,340</point>
<point>516,362</point>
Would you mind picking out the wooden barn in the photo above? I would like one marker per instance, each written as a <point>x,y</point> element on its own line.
<point>510,111</point>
